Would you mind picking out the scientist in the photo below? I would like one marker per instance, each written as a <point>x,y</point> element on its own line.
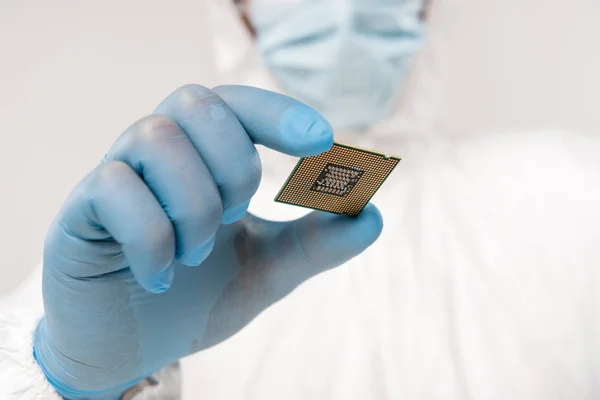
<point>154,255</point>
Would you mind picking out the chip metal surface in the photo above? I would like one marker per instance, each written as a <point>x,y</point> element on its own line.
<point>341,180</point>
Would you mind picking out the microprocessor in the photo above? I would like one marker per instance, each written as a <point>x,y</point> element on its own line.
<point>341,180</point>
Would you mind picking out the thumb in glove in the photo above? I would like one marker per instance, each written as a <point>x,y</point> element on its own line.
<point>276,257</point>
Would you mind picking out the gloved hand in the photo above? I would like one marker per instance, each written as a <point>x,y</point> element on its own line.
<point>153,257</point>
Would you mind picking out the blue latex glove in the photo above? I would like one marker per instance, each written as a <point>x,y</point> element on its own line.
<point>153,256</point>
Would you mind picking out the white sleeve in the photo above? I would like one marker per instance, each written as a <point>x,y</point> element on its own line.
<point>20,376</point>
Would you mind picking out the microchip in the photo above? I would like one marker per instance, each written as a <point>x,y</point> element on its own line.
<point>341,180</point>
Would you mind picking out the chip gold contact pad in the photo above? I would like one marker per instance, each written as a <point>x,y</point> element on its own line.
<point>341,180</point>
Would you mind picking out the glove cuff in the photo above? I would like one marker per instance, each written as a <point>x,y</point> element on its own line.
<point>165,384</point>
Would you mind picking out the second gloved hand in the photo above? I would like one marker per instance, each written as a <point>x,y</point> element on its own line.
<point>153,256</point>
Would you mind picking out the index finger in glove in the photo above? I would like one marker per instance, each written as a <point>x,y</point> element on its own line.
<point>278,121</point>
<point>224,123</point>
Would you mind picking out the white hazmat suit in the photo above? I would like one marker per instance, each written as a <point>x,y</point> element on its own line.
<point>484,283</point>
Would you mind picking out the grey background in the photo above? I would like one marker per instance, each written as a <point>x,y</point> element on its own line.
<point>75,74</point>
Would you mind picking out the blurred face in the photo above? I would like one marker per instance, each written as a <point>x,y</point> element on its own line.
<point>346,58</point>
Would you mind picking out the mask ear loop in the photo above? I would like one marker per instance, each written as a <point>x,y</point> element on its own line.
<point>243,9</point>
<point>426,10</point>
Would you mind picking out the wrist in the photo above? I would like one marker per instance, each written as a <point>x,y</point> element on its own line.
<point>46,357</point>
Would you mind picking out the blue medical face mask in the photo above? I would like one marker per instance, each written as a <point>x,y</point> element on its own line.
<point>346,58</point>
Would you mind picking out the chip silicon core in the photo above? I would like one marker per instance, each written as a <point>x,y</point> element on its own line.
<point>341,180</point>
<point>337,180</point>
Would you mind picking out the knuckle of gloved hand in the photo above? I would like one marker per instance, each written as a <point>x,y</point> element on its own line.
<point>160,238</point>
<point>210,212</point>
<point>194,97</point>
<point>244,181</point>
<point>104,182</point>
<point>205,213</point>
<point>109,175</point>
<point>153,131</point>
